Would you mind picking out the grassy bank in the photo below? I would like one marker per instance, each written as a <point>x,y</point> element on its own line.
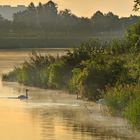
<point>109,70</point>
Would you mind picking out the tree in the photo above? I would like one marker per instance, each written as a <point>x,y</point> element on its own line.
<point>67,20</point>
<point>84,23</point>
<point>111,22</point>
<point>32,14</point>
<point>97,21</point>
<point>51,8</point>
<point>136,5</point>
<point>48,15</point>
<point>105,22</point>
<point>4,24</point>
<point>27,18</point>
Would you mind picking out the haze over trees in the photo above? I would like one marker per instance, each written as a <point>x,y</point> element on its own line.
<point>46,16</point>
<point>45,26</point>
<point>7,11</point>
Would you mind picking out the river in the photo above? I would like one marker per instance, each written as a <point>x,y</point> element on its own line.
<point>52,114</point>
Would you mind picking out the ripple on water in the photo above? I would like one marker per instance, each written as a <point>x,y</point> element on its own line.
<point>50,104</point>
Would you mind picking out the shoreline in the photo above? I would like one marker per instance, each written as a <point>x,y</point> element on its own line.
<point>31,49</point>
<point>92,114</point>
<point>117,125</point>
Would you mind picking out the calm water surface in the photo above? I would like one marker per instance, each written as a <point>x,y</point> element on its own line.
<point>48,114</point>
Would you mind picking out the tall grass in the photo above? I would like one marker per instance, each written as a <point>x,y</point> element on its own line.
<point>132,112</point>
<point>125,101</point>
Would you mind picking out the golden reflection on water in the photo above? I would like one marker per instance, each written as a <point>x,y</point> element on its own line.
<point>16,123</point>
<point>47,115</point>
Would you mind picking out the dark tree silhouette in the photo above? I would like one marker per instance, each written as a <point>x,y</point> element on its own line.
<point>136,5</point>
<point>27,18</point>
<point>45,22</point>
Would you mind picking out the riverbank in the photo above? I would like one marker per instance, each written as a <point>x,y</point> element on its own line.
<point>92,124</point>
<point>94,70</point>
<point>88,116</point>
<point>111,124</point>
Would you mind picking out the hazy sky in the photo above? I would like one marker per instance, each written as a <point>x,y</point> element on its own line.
<point>85,7</point>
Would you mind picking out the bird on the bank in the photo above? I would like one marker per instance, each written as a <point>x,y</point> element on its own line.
<point>101,101</point>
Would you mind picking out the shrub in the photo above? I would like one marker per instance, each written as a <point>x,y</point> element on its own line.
<point>119,97</point>
<point>59,75</point>
<point>75,81</point>
<point>133,37</point>
<point>132,112</point>
<point>11,76</point>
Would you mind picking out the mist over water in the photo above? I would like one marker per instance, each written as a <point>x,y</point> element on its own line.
<point>49,114</point>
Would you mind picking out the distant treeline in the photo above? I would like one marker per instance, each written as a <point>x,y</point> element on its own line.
<point>46,22</point>
<point>47,17</point>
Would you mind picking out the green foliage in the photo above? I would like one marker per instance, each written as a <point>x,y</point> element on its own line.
<point>93,78</point>
<point>55,73</point>
<point>132,112</point>
<point>82,53</point>
<point>125,101</point>
<point>44,76</point>
<point>11,76</point>
<point>59,75</point>
<point>133,66</point>
<point>119,96</point>
<point>34,72</point>
<point>117,47</point>
<point>96,74</point>
<point>133,36</point>
<point>75,83</point>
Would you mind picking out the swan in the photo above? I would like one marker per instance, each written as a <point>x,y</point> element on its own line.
<point>24,96</point>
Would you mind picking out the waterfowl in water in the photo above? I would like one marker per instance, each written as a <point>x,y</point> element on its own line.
<point>24,96</point>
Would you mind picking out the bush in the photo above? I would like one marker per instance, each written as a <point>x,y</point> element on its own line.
<point>133,37</point>
<point>11,76</point>
<point>75,81</point>
<point>119,97</point>
<point>93,78</point>
<point>59,75</point>
<point>132,112</point>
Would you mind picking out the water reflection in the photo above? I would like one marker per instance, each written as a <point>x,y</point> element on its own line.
<point>47,115</point>
<point>63,124</point>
